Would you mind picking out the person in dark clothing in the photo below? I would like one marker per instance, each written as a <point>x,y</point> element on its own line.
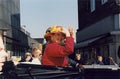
<point>78,58</point>
<point>72,63</point>
<point>47,38</point>
<point>28,57</point>
<point>100,60</point>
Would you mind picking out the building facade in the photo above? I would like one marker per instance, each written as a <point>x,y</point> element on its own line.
<point>9,18</point>
<point>99,29</point>
<point>16,40</point>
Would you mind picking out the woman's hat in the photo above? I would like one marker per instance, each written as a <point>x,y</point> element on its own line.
<point>56,29</point>
<point>51,30</point>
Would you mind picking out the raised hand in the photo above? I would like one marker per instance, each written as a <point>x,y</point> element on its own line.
<point>71,31</point>
<point>65,31</point>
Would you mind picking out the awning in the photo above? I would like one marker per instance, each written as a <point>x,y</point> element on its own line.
<point>87,42</point>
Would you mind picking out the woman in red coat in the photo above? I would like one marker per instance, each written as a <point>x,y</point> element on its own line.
<point>54,53</point>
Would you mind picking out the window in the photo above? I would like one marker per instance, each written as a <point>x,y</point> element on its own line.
<point>92,5</point>
<point>103,1</point>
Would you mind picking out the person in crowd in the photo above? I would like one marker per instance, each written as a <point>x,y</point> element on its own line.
<point>55,54</point>
<point>3,53</point>
<point>78,58</point>
<point>28,57</point>
<point>71,62</point>
<point>113,61</point>
<point>47,38</point>
<point>100,60</point>
<point>37,55</point>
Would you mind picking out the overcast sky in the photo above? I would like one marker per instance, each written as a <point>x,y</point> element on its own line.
<point>38,15</point>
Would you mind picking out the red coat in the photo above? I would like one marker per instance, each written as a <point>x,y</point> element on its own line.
<point>56,55</point>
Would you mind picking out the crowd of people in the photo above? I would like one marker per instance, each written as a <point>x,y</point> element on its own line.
<point>34,57</point>
<point>59,45</point>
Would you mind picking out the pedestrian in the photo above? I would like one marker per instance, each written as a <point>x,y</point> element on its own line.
<point>55,54</point>
<point>3,53</point>
<point>47,38</point>
<point>28,57</point>
<point>78,58</point>
<point>37,55</point>
<point>100,60</point>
